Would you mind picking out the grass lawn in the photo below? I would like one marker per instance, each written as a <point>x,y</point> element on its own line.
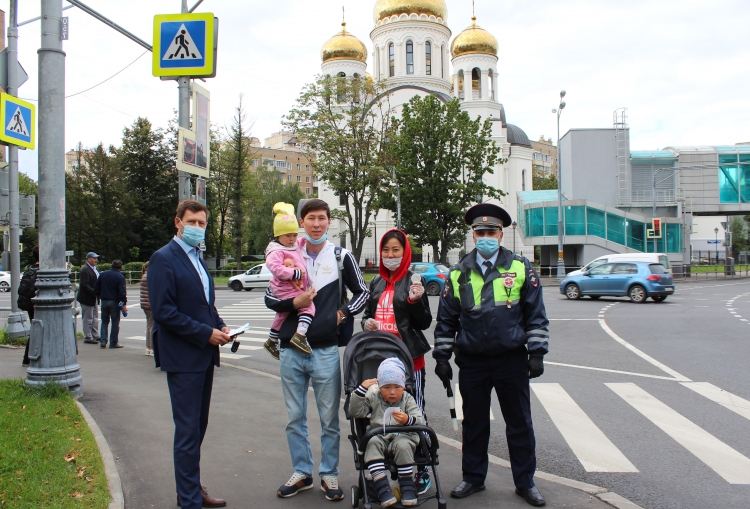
<point>48,456</point>
<point>5,340</point>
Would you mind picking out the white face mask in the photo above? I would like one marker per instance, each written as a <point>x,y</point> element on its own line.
<point>392,263</point>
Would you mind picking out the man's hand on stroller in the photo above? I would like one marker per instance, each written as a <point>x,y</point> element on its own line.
<point>444,372</point>
<point>372,325</point>
<point>369,383</point>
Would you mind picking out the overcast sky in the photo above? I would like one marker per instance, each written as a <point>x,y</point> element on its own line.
<point>682,67</point>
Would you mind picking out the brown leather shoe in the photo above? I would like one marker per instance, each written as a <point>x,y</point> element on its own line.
<point>208,500</point>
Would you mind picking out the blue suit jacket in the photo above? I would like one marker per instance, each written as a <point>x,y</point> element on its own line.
<point>183,319</point>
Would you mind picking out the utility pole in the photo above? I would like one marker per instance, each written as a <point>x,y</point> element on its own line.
<point>53,346</point>
<point>183,119</point>
<point>16,323</point>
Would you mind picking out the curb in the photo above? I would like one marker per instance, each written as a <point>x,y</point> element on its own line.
<point>602,494</point>
<point>110,467</point>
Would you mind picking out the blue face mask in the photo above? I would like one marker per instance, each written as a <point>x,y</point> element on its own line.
<point>486,246</point>
<point>192,235</point>
<point>319,241</point>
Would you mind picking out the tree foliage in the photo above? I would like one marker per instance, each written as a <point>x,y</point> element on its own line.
<point>237,161</point>
<point>344,125</point>
<point>543,180</point>
<point>440,156</point>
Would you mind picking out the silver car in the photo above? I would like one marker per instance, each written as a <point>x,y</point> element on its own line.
<point>257,277</point>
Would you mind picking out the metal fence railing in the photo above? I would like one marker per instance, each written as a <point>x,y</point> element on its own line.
<point>134,277</point>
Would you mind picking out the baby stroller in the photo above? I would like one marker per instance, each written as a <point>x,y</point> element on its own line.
<point>362,357</point>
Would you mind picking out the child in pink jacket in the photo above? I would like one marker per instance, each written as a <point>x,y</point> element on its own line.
<point>284,260</point>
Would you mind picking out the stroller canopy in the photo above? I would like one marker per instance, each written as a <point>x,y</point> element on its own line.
<point>367,350</point>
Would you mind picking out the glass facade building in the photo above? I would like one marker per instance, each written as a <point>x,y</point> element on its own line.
<point>734,178</point>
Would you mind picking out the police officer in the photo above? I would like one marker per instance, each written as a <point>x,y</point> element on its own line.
<point>492,316</point>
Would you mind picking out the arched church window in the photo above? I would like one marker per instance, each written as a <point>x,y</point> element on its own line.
<point>356,89</point>
<point>409,57</point>
<point>491,84</point>
<point>523,180</point>
<point>461,84</point>
<point>476,83</point>
<point>391,60</point>
<point>428,57</point>
<point>442,62</point>
<point>341,87</point>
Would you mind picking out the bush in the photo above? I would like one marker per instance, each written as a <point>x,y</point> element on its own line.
<point>75,268</point>
<point>103,266</point>
<point>133,267</point>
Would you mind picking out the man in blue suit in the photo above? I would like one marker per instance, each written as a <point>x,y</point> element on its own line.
<point>186,338</point>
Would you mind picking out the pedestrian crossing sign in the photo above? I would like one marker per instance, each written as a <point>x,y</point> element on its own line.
<point>183,45</point>
<point>19,122</point>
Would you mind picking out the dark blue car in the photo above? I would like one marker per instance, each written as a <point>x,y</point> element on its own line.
<point>434,273</point>
<point>636,280</point>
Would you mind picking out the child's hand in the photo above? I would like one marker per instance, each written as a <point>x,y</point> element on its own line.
<point>296,285</point>
<point>400,417</point>
<point>369,383</point>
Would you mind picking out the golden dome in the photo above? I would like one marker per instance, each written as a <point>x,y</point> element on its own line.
<point>344,46</point>
<point>387,8</point>
<point>474,40</point>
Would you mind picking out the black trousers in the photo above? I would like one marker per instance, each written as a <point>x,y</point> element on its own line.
<point>28,341</point>
<point>509,376</point>
<point>191,398</point>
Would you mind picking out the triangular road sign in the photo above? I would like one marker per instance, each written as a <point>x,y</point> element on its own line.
<point>17,124</point>
<point>182,47</point>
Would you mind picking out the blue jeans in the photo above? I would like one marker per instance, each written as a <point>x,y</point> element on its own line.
<point>323,370</point>
<point>110,310</point>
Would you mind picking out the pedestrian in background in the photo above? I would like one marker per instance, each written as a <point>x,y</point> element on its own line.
<point>110,289</point>
<point>26,292</point>
<point>146,307</point>
<point>87,299</point>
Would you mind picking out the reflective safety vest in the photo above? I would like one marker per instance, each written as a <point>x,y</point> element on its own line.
<point>506,288</point>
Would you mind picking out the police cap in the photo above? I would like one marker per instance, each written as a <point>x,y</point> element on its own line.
<point>487,216</point>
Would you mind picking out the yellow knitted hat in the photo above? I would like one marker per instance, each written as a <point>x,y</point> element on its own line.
<point>285,220</point>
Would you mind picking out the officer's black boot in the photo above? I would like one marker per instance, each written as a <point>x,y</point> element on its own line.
<point>385,493</point>
<point>408,491</point>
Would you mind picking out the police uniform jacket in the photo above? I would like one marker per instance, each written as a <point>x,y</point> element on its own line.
<point>485,316</point>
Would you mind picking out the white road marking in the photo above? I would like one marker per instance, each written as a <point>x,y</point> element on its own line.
<point>233,356</point>
<point>643,355</point>
<point>590,445</point>
<point>722,459</point>
<point>726,399</point>
<point>573,319</point>
<point>460,405</point>
<point>140,338</point>
<point>576,366</point>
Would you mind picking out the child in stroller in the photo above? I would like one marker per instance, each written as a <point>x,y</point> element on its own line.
<point>385,401</point>
<point>370,415</point>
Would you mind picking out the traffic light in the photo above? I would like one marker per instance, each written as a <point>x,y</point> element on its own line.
<point>657,228</point>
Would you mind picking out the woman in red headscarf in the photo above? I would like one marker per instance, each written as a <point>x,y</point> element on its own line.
<point>398,306</point>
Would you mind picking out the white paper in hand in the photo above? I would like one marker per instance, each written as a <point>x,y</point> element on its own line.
<point>388,419</point>
<point>239,330</point>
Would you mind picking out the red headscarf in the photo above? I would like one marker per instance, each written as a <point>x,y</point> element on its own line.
<point>405,261</point>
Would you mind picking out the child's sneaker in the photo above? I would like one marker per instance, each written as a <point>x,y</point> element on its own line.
<point>423,481</point>
<point>272,348</point>
<point>300,341</point>
<point>408,491</point>
<point>385,493</point>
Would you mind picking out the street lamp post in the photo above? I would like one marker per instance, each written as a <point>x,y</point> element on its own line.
<point>560,258</point>
<point>716,243</point>
<point>514,224</point>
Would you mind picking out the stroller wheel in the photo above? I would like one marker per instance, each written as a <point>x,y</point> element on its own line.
<point>355,497</point>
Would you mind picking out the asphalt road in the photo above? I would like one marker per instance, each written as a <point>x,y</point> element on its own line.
<point>648,400</point>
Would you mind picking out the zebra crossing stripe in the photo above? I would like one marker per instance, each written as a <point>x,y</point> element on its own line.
<point>590,445</point>
<point>726,399</point>
<point>722,459</point>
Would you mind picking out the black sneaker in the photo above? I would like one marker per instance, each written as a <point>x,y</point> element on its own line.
<point>423,482</point>
<point>408,491</point>
<point>329,485</point>
<point>385,493</point>
<point>294,485</point>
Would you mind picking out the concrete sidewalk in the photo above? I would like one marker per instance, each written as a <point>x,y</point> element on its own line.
<point>244,456</point>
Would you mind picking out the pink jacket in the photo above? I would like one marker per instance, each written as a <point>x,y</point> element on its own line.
<point>282,275</point>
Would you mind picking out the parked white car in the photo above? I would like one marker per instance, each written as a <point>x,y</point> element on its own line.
<point>4,281</point>
<point>257,277</point>
<point>660,258</point>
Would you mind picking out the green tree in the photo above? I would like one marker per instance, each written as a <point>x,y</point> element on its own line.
<point>238,166</point>
<point>29,236</point>
<point>740,227</point>
<point>218,192</point>
<point>151,184</point>
<point>344,125</point>
<point>441,155</point>
<point>542,179</point>
<point>272,189</point>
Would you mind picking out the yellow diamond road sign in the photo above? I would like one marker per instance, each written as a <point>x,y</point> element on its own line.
<point>19,122</point>
<point>183,44</point>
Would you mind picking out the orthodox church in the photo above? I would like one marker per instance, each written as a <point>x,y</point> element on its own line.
<point>414,54</point>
